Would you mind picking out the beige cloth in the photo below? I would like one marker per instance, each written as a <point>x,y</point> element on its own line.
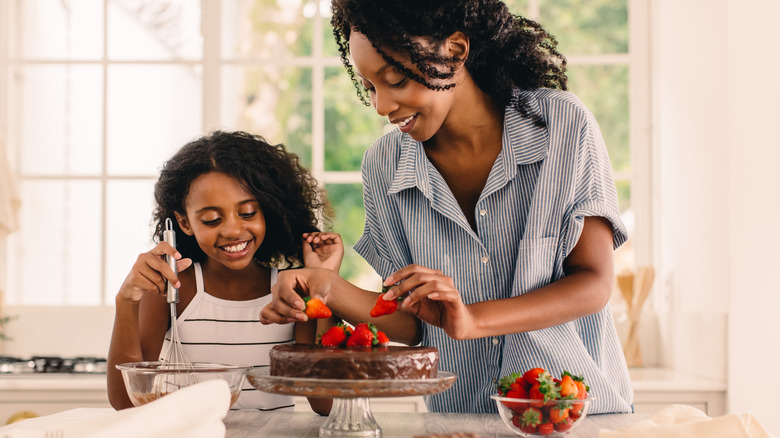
<point>10,202</point>
<point>683,421</point>
<point>193,412</point>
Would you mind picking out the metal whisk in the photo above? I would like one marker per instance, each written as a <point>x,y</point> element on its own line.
<point>175,362</point>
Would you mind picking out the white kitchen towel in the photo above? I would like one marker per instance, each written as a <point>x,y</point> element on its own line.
<point>683,421</point>
<point>193,412</point>
<point>10,202</point>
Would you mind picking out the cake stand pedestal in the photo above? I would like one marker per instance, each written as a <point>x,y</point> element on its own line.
<point>351,414</point>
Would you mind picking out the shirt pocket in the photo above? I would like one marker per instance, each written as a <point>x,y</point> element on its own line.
<point>535,264</point>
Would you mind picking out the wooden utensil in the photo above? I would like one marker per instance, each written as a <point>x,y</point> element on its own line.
<point>641,289</point>
<point>625,282</point>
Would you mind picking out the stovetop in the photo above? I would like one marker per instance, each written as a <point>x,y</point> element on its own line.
<point>52,364</point>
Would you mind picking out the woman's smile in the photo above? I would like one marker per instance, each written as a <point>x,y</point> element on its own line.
<point>407,124</point>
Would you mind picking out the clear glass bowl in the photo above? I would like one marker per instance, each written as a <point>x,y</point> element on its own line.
<point>555,417</point>
<point>148,381</point>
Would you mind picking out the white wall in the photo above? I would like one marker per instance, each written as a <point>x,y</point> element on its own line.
<point>717,113</point>
<point>690,77</point>
<point>754,192</point>
<point>49,331</point>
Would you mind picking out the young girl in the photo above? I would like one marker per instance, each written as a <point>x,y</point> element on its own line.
<point>241,208</point>
<point>492,206</point>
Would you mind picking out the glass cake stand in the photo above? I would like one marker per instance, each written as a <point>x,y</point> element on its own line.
<point>351,414</point>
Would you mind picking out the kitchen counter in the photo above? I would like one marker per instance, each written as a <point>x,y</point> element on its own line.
<point>249,423</point>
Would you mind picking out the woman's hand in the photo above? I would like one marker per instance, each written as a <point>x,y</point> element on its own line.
<point>286,304</point>
<point>432,298</point>
<point>323,250</point>
<point>150,272</point>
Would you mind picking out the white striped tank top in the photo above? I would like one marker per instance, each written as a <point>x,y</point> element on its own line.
<point>223,331</point>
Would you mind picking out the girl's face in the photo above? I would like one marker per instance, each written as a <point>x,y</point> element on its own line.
<point>416,109</point>
<point>225,219</point>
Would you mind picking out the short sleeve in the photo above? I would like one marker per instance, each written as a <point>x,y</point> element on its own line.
<point>594,189</point>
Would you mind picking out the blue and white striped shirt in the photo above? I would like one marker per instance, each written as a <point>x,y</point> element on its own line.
<point>530,214</point>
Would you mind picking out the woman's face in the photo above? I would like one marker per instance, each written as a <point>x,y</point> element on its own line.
<point>225,219</point>
<point>416,109</point>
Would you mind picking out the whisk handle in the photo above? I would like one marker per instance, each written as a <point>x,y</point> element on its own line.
<point>171,293</point>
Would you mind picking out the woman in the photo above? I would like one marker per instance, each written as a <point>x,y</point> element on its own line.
<point>493,206</point>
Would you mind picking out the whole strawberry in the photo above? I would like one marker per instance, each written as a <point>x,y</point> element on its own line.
<point>382,339</point>
<point>334,337</point>
<point>362,336</point>
<point>532,376</point>
<point>545,429</point>
<point>316,309</point>
<point>384,307</point>
<point>568,387</point>
<point>564,425</point>
<point>530,418</point>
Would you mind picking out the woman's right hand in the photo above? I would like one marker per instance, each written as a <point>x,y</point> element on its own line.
<point>150,273</point>
<point>291,285</point>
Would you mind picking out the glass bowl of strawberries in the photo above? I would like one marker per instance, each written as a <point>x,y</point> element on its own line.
<point>535,403</point>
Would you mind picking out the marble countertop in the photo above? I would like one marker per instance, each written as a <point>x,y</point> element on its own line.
<point>247,423</point>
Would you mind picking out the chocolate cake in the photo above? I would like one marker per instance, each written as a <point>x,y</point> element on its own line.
<point>362,363</point>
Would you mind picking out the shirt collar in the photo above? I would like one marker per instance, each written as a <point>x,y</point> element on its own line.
<point>523,143</point>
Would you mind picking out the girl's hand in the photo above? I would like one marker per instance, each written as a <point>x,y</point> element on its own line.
<point>286,304</point>
<point>323,250</point>
<point>432,298</point>
<point>150,272</point>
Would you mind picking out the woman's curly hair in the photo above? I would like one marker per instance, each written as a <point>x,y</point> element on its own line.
<point>288,194</point>
<point>507,52</point>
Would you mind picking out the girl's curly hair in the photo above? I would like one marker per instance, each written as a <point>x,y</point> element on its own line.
<point>507,52</point>
<point>288,194</point>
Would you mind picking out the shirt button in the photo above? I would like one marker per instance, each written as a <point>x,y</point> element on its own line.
<point>482,212</point>
<point>485,259</point>
<point>495,341</point>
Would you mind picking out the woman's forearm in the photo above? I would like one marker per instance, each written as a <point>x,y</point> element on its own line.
<point>577,295</point>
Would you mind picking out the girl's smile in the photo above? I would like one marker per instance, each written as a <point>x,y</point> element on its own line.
<point>236,250</point>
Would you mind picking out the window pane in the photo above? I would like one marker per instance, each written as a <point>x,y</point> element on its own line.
<point>57,249</point>
<point>624,194</point>
<point>347,201</point>
<point>267,28</point>
<point>274,102</point>
<point>129,229</point>
<point>154,30</point>
<point>604,90</point>
<point>350,126</point>
<point>53,29</point>
<point>587,26</point>
<point>60,118</point>
<point>330,48</point>
<point>147,124</point>
<point>624,256</point>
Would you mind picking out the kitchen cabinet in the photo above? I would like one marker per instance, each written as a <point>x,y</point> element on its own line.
<point>655,388</point>
<point>45,394</point>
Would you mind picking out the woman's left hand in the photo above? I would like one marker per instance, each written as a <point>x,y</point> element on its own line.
<point>432,298</point>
